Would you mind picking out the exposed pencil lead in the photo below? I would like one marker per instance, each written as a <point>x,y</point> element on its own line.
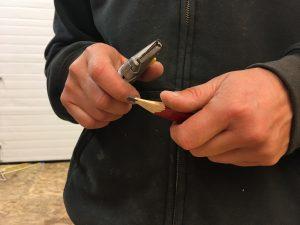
<point>132,99</point>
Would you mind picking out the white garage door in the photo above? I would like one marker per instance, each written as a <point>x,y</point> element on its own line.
<point>29,130</point>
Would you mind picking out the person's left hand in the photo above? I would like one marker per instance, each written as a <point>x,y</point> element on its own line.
<point>244,118</point>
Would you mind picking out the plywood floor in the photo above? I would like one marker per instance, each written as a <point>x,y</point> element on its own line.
<point>34,196</point>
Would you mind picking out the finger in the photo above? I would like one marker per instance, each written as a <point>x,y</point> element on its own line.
<point>241,164</point>
<point>107,78</point>
<point>101,52</point>
<point>154,71</point>
<point>199,128</point>
<point>191,99</point>
<point>259,156</point>
<point>237,157</point>
<point>78,69</point>
<point>245,164</point>
<point>83,118</point>
<point>223,142</point>
<point>100,115</point>
<point>102,101</point>
<point>88,106</point>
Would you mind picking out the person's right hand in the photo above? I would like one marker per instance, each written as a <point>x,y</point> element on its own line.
<point>94,92</point>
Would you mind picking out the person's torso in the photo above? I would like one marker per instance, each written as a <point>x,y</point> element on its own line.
<point>131,173</point>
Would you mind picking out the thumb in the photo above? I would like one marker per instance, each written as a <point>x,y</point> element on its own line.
<point>155,70</point>
<point>191,99</point>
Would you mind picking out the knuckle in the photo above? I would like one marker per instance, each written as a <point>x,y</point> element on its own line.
<point>63,98</point>
<point>115,117</point>
<point>102,101</point>
<point>197,92</point>
<point>270,162</point>
<point>101,117</point>
<point>181,138</point>
<point>68,87</point>
<point>212,159</point>
<point>185,143</point>
<point>73,68</point>
<point>88,123</point>
<point>239,110</point>
<point>215,159</point>
<point>256,136</point>
<point>103,124</point>
<point>267,155</point>
<point>194,153</point>
<point>107,48</point>
<point>97,70</point>
<point>90,49</point>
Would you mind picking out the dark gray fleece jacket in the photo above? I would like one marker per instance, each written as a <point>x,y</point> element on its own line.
<point>130,172</point>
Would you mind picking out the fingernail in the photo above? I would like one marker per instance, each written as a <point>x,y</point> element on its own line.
<point>174,93</point>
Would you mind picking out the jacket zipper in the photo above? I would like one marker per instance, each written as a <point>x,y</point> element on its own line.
<point>174,221</point>
<point>187,13</point>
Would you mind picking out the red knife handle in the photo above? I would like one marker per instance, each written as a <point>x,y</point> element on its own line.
<point>172,115</point>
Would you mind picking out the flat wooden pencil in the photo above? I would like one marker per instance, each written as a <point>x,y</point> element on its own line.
<point>159,109</point>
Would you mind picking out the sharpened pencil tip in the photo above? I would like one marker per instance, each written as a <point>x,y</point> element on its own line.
<point>131,99</point>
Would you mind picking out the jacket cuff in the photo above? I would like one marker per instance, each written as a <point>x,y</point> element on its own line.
<point>288,71</point>
<point>57,72</point>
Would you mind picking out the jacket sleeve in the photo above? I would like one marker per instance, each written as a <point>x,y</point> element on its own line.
<point>288,70</point>
<point>74,31</point>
